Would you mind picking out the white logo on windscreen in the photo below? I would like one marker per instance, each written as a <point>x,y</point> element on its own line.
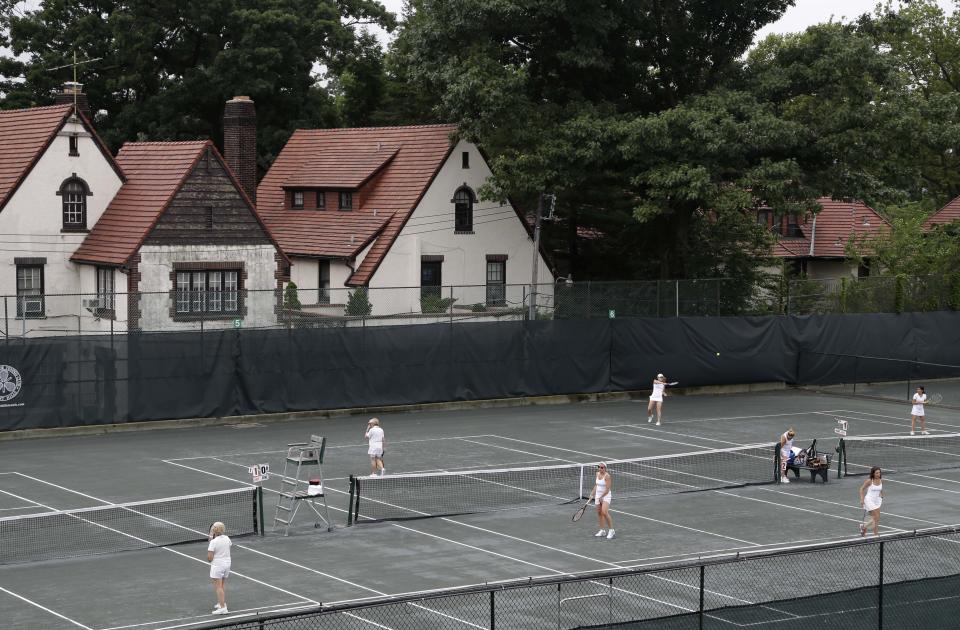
<point>10,383</point>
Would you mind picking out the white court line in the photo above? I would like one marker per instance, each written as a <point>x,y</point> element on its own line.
<point>359,445</point>
<point>767,415</point>
<point>902,424</point>
<point>487,551</point>
<point>900,481</point>
<point>164,548</point>
<point>619,511</point>
<point>857,508</point>
<point>45,609</point>
<point>954,428</point>
<point>205,618</point>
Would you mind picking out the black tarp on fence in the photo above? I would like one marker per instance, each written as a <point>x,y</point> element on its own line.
<point>68,381</point>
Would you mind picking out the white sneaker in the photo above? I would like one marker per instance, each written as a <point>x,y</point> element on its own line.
<point>600,534</point>
<point>610,534</point>
<point>784,480</point>
<point>658,423</point>
<point>911,433</point>
<point>649,418</point>
<point>220,611</point>
<point>925,432</point>
<point>383,471</point>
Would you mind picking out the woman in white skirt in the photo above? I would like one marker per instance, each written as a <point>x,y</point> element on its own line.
<point>871,496</point>
<point>656,398</point>
<point>917,413</point>
<point>786,451</point>
<point>218,555</point>
<point>601,496</point>
<point>375,442</point>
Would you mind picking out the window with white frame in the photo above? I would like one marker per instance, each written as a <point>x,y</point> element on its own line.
<point>105,288</point>
<point>210,291</point>
<point>73,196</point>
<point>496,280</point>
<point>30,291</point>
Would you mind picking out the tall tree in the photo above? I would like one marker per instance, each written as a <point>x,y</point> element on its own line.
<point>167,66</point>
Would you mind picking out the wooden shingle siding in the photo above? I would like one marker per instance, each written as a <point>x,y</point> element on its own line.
<point>186,220</point>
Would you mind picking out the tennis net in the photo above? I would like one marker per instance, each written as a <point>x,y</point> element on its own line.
<point>128,526</point>
<point>406,496</point>
<point>901,453</point>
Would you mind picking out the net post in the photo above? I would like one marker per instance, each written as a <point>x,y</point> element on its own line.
<point>776,463</point>
<point>841,458</point>
<point>353,485</point>
<point>582,495</point>
<point>258,509</point>
<point>493,610</point>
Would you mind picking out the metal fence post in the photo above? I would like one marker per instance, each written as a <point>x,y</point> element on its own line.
<point>702,581</point>
<point>880,591</point>
<point>6,320</point>
<point>658,298</point>
<point>451,305</point>
<point>588,299</point>
<point>493,611</point>
<point>677,296</point>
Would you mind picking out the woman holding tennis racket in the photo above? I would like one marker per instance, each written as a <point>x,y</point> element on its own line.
<point>917,413</point>
<point>218,555</point>
<point>871,496</point>
<point>656,398</point>
<point>601,496</point>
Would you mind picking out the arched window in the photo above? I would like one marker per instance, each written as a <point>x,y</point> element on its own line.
<point>463,201</point>
<point>73,193</point>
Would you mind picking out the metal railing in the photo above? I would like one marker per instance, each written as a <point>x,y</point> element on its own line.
<point>894,581</point>
<point>70,314</point>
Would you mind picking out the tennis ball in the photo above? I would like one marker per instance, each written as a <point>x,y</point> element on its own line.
<point>718,354</point>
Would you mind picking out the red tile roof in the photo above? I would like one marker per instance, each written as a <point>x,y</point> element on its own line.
<point>155,172</point>
<point>835,224</point>
<point>336,170</point>
<point>947,214</point>
<point>25,135</point>
<point>418,152</point>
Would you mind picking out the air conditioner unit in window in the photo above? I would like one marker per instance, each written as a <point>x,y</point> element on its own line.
<point>91,303</point>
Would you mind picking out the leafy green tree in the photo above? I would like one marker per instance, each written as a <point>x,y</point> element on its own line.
<point>167,67</point>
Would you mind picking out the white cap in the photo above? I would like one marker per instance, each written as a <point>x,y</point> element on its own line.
<point>660,376</point>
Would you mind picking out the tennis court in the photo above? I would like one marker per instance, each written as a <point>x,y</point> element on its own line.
<point>167,586</point>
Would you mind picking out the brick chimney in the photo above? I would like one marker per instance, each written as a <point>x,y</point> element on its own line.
<point>240,142</point>
<point>73,93</point>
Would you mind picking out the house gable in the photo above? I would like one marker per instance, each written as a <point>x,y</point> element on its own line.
<point>208,208</point>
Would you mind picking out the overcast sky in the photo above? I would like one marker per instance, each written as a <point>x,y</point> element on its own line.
<point>800,16</point>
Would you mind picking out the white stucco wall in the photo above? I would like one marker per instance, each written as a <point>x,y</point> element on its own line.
<point>496,230</point>
<point>32,221</point>
<point>817,269</point>
<point>305,273</point>
<point>156,263</point>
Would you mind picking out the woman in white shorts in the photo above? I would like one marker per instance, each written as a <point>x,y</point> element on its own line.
<point>601,496</point>
<point>218,555</point>
<point>917,412</point>
<point>786,450</point>
<point>871,496</point>
<point>656,398</point>
<point>375,442</point>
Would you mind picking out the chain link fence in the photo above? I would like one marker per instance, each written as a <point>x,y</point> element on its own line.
<point>38,314</point>
<point>897,581</point>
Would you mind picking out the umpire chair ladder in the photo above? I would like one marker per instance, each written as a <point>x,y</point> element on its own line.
<point>305,461</point>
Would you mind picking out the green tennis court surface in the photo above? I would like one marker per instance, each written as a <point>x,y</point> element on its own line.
<point>157,586</point>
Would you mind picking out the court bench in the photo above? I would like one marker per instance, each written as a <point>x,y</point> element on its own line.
<point>818,465</point>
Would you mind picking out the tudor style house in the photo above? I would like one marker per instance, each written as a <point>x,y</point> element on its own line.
<point>160,238</point>
<point>944,216</point>
<point>816,246</point>
<point>395,210</point>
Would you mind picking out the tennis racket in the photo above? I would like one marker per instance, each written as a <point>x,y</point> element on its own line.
<point>210,532</point>
<point>674,383</point>
<point>936,399</point>
<point>863,523</point>
<point>579,513</point>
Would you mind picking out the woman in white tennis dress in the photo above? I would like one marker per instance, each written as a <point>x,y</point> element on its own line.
<point>656,398</point>
<point>601,495</point>
<point>218,555</point>
<point>786,448</point>
<point>871,496</point>
<point>917,413</point>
